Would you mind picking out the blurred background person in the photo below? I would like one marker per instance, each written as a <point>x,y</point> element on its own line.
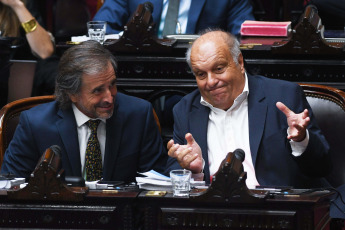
<point>193,15</point>
<point>21,18</point>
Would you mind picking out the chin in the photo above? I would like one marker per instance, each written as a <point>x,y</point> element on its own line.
<point>105,115</point>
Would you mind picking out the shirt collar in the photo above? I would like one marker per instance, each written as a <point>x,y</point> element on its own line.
<point>240,98</point>
<point>81,118</point>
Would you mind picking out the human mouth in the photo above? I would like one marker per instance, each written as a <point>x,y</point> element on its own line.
<point>217,91</point>
<point>106,106</point>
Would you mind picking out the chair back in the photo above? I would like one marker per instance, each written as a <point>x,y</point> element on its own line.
<point>70,18</point>
<point>9,118</point>
<point>328,105</point>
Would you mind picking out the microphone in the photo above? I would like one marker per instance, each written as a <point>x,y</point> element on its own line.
<point>52,156</point>
<point>56,150</point>
<point>239,154</point>
<point>148,6</point>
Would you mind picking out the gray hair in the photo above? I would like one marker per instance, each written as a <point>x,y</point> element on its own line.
<point>231,41</point>
<point>88,57</point>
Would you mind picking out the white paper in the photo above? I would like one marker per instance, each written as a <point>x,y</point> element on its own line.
<point>5,184</point>
<point>155,175</point>
<point>85,38</point>
<point>157,181</point>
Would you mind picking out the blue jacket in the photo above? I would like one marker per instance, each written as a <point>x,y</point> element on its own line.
<point>224,14</point>
<point>271,151</point>
<point>133,142</point>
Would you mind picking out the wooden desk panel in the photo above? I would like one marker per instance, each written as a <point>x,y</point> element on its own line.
<point>97,211</point>
<point>304,212</point>
<point>135,210</point>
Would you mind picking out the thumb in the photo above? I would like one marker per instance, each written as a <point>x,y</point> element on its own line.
<point>189,138</point>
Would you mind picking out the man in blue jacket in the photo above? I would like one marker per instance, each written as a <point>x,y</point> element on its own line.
<point>128,136</point>
<point>194,15</point>
<point>269,119</point>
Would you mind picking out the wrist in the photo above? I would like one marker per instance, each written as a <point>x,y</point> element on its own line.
<point>29,26</point>
<point>17,6</point>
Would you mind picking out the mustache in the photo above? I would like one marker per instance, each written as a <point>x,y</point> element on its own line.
<point>215,87</point>
<point>105,104</point>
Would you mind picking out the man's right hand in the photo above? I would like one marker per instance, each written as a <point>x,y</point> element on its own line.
<point>189,156</point>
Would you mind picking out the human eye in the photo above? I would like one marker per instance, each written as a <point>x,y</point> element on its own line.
<point>219,69</point>
<point>200,75</point>
<point>113,83</point>
<point>97,90</point>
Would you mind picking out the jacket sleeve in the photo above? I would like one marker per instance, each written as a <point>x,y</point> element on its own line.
<point>21,155</point>
<point>315,161</point>
<point>115,13</point>
<point>240,10</point>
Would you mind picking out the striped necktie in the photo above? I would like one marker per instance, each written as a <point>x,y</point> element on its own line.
<point>171,18</point>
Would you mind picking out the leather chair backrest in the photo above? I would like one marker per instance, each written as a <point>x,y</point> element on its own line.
<point>328,105</point>
<point>9,118</point>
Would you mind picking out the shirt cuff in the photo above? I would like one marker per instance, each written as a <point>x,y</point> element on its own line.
<point>199,176</point>
<point>299,147</point>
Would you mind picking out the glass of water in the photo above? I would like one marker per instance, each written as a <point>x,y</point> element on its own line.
<point>180,179</point>
<point>96,30</point>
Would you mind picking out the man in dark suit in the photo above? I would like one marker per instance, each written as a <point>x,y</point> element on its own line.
<point>129,139</point>
<point>202,14</point>
<point>269,119</point>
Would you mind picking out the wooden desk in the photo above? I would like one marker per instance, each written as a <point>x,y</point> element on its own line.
<point>325,69</point>
<point>99,210</point>
<point>135,210</point>
<point>309,211</point>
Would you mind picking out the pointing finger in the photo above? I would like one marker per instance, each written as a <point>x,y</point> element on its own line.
<point>283,108</point>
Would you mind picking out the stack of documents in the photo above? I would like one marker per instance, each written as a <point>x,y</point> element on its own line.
<point>85,37</point>
<point>9,183</point>
<point>153,180</point>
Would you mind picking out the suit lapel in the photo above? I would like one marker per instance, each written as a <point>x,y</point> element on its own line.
<point>257,110</point>
<point>198,120</point>
<point>67,128</point>
<point>193,15</point>
<point>114,129</point>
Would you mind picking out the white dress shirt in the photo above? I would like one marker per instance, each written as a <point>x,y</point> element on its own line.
<point>84,133</point>
<point>229,130</point>
<point>182,17</point>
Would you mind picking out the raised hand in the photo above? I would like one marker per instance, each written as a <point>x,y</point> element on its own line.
<point>189,156</point>
<point>297,122</point>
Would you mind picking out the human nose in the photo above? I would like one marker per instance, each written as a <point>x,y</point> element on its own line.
<point>211,80</point>
<point>110,94</point>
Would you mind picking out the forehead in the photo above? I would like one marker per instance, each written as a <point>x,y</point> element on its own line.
<point>98,78</point>
<point>209,50</point>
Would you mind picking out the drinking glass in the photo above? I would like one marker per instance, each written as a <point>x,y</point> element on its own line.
<point>96,30</point>
<point>180,180</point>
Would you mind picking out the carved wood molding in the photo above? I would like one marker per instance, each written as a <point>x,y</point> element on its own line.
<point>138,35</point>
<point>229,185</point>
<point>45,183</point>
<point>307,37</point>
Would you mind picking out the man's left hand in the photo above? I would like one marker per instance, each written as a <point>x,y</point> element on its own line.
<point>297,122</point>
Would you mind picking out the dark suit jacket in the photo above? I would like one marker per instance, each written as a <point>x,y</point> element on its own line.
<point>271,151</point>
<point>133,141</point>
<point>224,14</point>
